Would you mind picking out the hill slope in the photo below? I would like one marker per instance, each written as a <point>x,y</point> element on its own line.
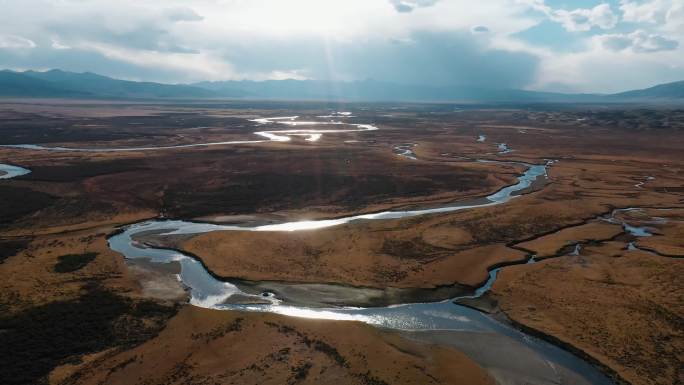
<point>20,85</point>
<point>370,90</point>
<point>669,91</point>
<point>58,84</point>
<point>108,87</point>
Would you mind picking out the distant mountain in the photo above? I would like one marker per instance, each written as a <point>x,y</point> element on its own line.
<point>63,84</point>
<point>370,90</point>
<point>103,86</point>
<point>667,91</point>
<point>19,85</point>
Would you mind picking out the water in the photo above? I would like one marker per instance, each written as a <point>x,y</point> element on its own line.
<point>504,149</point>
<point>535,360</point>
<point>125,243</point>
<point>8,171</point>
<point>551,364</point>
<point>637,231</point>
<point>311,135</point>
<point>406,151</point>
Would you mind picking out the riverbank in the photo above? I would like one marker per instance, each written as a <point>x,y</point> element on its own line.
<point>207,291</point>
<point>273,349</point>
<point>73,200</point>
<point>622,307</point>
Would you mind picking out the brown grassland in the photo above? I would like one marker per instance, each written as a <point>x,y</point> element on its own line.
<point>620,305</point>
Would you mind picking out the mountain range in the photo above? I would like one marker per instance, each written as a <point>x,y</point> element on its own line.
<point>63,84</point>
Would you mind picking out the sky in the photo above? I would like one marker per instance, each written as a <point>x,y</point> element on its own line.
<point>549,45</point>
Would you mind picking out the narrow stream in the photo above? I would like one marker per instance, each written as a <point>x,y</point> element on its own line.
<point>406,151</point>
<point>643,229</point>
<point>504,149</point>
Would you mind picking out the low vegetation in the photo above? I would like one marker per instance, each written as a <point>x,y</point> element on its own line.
<point>35,341</point>
<point>72,262</point>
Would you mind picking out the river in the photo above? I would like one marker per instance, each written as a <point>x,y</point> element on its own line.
<point>509,355</point>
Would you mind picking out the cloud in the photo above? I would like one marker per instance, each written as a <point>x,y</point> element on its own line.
<point>56,44</point>
<point>601,16</point>
<point>580,19</point>
<point>139,27</point>
<point>182,14</point>
<point>204,65</point>
<point>260,39</point>
<point>666,15</point>
<point>644,12</point>
<point>615,42</point>
<point>438,42</point>
<point>432,58</point>
<point>674,18</point>
<point>608,71</point>
<point>405,6</point>
<point>401,7</point>
<point>638,41</point>
<point>15,42</point>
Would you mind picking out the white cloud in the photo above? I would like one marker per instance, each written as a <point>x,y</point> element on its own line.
<point>299,74</point>
<point>580,19</point>
<point>182,14</point>
<point>16,42</point>
<point>645,11</point>
<point>664,15</point>
<point>436,41</point>
<point>56,44</point>
<point>601,16</point>
<point>405,6</point>
<point>638,41</point>
<point>674,18</point>
<point>203,66</point>
<point>603,70</point>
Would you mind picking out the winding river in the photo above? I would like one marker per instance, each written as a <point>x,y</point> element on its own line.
<point>509,355</point>
<point>310,134</point>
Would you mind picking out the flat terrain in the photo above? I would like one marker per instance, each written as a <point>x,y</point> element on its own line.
<point>209,346</point>
<point>616,297</point>
<point>623,308</point>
